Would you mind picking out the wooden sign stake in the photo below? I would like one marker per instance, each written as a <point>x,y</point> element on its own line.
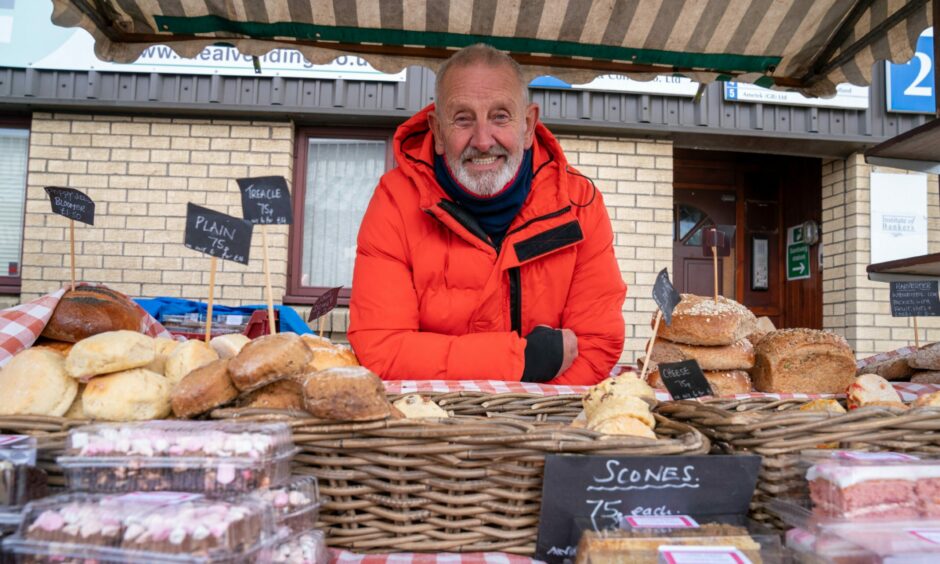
<point>715,267</point>
<point>211,294</point>
<point>649,347</point>
<point>72,253</point>
<point>916,336</point>
<point>267,278</point>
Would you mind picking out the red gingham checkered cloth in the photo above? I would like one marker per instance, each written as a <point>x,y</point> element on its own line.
<point>344,557</point>
<point>21,325</point>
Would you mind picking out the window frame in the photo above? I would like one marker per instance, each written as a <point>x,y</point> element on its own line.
<point>296,292</point>
<point>12,285</point>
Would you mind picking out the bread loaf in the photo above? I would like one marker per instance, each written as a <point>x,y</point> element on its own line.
<point>283,394</point>
<point>891,369</point>
<point>722,382</point>
<point>186,357</point>
<point>203,389</point>
<point>90,310</point>
<point>700,320</point>
<point>803,361</point>
<point>109,352</point>
<point>131,395</point>
<point>268,359</point>
<point>926,377</point>
<point>738,356</point>
<point>926,358</point>
<point>34,382</point>
<point>350,393</point>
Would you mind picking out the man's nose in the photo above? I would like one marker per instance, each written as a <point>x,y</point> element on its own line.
<point>482,139</point>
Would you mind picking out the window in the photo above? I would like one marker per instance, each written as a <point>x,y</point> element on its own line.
<point>14,154</point>
<point>335,175</point>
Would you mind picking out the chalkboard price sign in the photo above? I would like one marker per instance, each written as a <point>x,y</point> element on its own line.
<point>266,200</point>
<point>217,234</point>
<point>605,490</point>
<point>915,299</point>
<point>324,304</point>
<point>665,295</point>
<point>684,380</point>
<point>70,203</point>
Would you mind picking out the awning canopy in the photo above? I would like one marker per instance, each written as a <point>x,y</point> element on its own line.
<point>806,45</point>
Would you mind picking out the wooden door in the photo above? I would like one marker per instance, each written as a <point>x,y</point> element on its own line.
<point>695,211</point>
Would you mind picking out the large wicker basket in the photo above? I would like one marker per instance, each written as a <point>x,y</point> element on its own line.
<point>782,434</point>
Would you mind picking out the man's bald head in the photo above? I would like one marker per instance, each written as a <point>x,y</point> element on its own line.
<point>479,54</point>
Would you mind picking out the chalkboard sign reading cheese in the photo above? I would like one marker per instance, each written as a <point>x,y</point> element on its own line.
<point>665,295</point>
<point>217,234</point>
<point>915,299</point>
<point>266,200</point>
<point>70,203</point>
<point>684,380</point>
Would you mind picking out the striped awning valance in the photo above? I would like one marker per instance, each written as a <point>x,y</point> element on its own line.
<point>808,45</point>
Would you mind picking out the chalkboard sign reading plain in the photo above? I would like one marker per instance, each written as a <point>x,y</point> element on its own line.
<point>70,203</point>
<point>665,295</point>
<point>684,380</point>
<point>607,489</point>
<point>217,234</point>
<point>915,299</point>
<point>266,200</point>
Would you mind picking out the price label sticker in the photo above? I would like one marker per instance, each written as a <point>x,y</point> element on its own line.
<point>702,555</point>
<point>661,522</point>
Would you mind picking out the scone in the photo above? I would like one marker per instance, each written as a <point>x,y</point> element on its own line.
<point>625,385</point>
<point>349,393</point>
<point>871,389</point>
<point>827,405</point>
<point>163,348</point>
<point>330,358</point>
<point>317,342</point>
<point>267,359</point>
<point>76,411</point>
<point>113,351</point>
<point>622,405</point>
<point>624,425</point>
<point>414,406</point>
<point>131,395</point>
<point>227,346</point>
<point>927,400</point>
<point>203,389</point>
<point>186,357</point>
<point>283,394</point>
<point>35,382</point>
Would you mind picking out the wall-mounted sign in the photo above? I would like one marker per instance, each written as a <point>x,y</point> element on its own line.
<point>661,85</point>
<point>909,87</point>
<point>898,216</point>
<point>848,96</point>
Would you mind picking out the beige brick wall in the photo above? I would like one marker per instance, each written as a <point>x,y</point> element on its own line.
<point>141,172</point>
<point>636,180</point>
<point>854,306</point>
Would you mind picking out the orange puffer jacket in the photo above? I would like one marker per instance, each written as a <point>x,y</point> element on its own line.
<point>432,298</point>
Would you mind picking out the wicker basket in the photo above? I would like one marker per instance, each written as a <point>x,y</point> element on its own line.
<point>782,434</point>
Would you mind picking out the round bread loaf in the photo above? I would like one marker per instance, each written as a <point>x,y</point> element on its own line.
<point>700,320</point>
<point>348,393</point>
<point>267,359</point>
<point>186,357</point>
<point>722,382</point>
<point>624,425</point>
<point>227,346</point>
<point>738,356</point>
<point>926,357</point>
<point>624,385</point>
<point>926,377</point>
<point>803,361</point>
<point>90,310</point>
<point>131,395</point>
<point>283,394</point>
<point>34,382</point>
<point>203,389</point>
<point>414,406</point>
<point>113,351</point>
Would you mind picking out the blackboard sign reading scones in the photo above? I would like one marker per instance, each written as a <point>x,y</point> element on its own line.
<point>217,234</point>
<point>70,203</point>
<point>266,200</point>
<point>915,299</point>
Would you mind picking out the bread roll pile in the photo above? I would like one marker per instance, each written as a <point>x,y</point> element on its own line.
<point>621,406</point>
<point>713,333</point>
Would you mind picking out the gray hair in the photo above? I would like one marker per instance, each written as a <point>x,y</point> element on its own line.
<point>483,54</point>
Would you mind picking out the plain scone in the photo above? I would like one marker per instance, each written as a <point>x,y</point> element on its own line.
<point>187,357</point>
<point>131,395</point>
<point>267,359</point>
<point>700,320</point>
<point>348,393</point>
<point>113,351</point>
<point>34,382</point>
<point>803,361</point>
<point>227,346</point>
<point>739,356</point>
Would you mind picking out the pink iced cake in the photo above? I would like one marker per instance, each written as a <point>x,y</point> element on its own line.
<point>874,490</point>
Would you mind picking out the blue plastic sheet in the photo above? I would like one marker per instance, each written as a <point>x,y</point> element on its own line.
<point>290,321</point>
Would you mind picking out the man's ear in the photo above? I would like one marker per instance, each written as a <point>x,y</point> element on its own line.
<point>435,125</point>
<point>531,119</point>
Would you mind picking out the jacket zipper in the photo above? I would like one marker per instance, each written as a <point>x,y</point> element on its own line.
<point>515,300</point>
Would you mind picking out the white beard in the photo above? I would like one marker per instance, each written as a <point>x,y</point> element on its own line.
<point>487,183</point>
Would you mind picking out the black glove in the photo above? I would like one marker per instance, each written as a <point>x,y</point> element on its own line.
<point>544,353</point>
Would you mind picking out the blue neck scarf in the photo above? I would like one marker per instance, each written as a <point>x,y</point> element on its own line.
<point>494,213</point>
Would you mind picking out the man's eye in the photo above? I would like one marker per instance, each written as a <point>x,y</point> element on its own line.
<point>462,121</point>
<point>501,118</point>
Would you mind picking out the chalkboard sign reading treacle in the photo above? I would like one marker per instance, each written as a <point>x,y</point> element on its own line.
<point>684,380</point>
<point>665,295</point>
<point>915,299</point>
<point>266,200</point>
<point>70,203</point>
<point>217,234</point>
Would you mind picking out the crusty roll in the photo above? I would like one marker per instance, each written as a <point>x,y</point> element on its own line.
<point>267,359</point>
<point>722,382</point>
<point>113,351</point>
<point>803,361</point>
<point>348,393</point>
<point>283,394</point>
<point>132,395</point>
<point>926,357</point>
<point>700,320</point>
<point>891,369</point>
<point>89,310</point>
<point>34,382</point>
<point>203,389</point>
<point>738,356</point>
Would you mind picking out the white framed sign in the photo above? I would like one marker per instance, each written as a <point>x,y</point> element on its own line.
<point>898,216</point>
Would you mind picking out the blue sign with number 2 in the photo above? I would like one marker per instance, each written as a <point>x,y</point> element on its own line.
<point>910,87</point>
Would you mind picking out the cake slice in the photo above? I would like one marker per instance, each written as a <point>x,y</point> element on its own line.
<point>858,490</point>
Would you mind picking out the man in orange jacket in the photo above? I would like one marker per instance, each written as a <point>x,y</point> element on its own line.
<point>483,254</point>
